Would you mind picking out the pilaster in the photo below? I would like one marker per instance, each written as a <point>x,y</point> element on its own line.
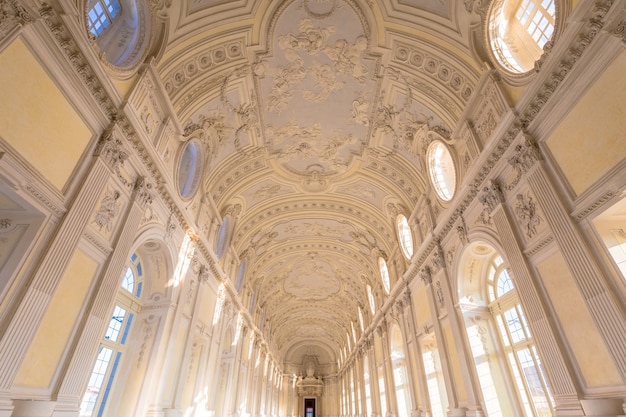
<point>18,335</point>
<point>562,382</point>
<point>606,311</point>
<point>81,363</point>
<point>470,379</point>
<point>448,375</point>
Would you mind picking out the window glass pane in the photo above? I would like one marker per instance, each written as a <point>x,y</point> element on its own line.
<point>102,14</point>
<point>95,382</point>
<point>115,324</point>
<point>520,384</point>
<point>128,281</point>
<point>442,171</point>
<point>514,325</point>
<point>505,284</point>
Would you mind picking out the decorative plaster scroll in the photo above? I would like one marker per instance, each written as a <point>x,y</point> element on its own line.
<point>492,196</point>
<point>13,14</point>
<point>425,275</point>
<point>526,212</point>
<point>526,155</point>
<point>109,209</point>
<point>143,192</point>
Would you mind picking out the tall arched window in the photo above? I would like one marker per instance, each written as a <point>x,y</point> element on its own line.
<point>435,383</point>
<point>404,236</point>
<point>516,385</point>
<point>113,345</point>
<point>517,342</point>
<point>361,320</point>
<point>384,274</point>
<point>366,385</point>
<point>400,375</point>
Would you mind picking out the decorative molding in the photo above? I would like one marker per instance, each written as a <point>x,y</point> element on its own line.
<point>527,154</point>
<point>208,60</point>
<point>597,204</point>
<point>12,15</point>
<point>537,248</point>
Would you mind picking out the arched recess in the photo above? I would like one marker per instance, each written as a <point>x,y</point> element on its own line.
<point>118,377</point>
<point>507,363</point>
<point>400,371</point>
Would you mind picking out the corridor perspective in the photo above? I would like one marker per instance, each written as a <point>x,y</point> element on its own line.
<point>312,208</point>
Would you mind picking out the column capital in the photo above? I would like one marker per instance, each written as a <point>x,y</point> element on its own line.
<point>425,275</point>
<point>110,148</point>
<point>143,191</point>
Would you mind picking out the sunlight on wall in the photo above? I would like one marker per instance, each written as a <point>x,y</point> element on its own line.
<point>185,254</point>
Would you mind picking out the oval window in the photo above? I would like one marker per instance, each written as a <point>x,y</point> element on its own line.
<point>370,298</point>
<point>441,170</point>
<point>405,236</point>
<point>384,274</point>
<point>518,30</point>
<point>189,170</point>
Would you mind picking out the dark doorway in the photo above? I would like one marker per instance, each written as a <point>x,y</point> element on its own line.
<point>309,407</point>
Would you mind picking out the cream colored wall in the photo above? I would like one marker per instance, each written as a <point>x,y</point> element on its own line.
<point>420,306</point>
<point>50,135</point>
<point>453,362</point>
<point>580,331</point>
<point>590,139</point>
<point>44,353</point>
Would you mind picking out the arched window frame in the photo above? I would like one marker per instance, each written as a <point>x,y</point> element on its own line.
<point>517,342</point>
<point>114,343</point>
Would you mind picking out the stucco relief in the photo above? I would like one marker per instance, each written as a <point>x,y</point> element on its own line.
<point>313,68</point>
<point>312,280</point>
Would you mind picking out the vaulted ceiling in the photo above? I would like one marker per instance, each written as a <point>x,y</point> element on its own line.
<point>317,114</point>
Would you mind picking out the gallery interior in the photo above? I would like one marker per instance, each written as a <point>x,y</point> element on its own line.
<point>312,208</point>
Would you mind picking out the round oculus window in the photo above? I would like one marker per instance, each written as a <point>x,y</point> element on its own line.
<point>441,170</point>
<point>517,31</point>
